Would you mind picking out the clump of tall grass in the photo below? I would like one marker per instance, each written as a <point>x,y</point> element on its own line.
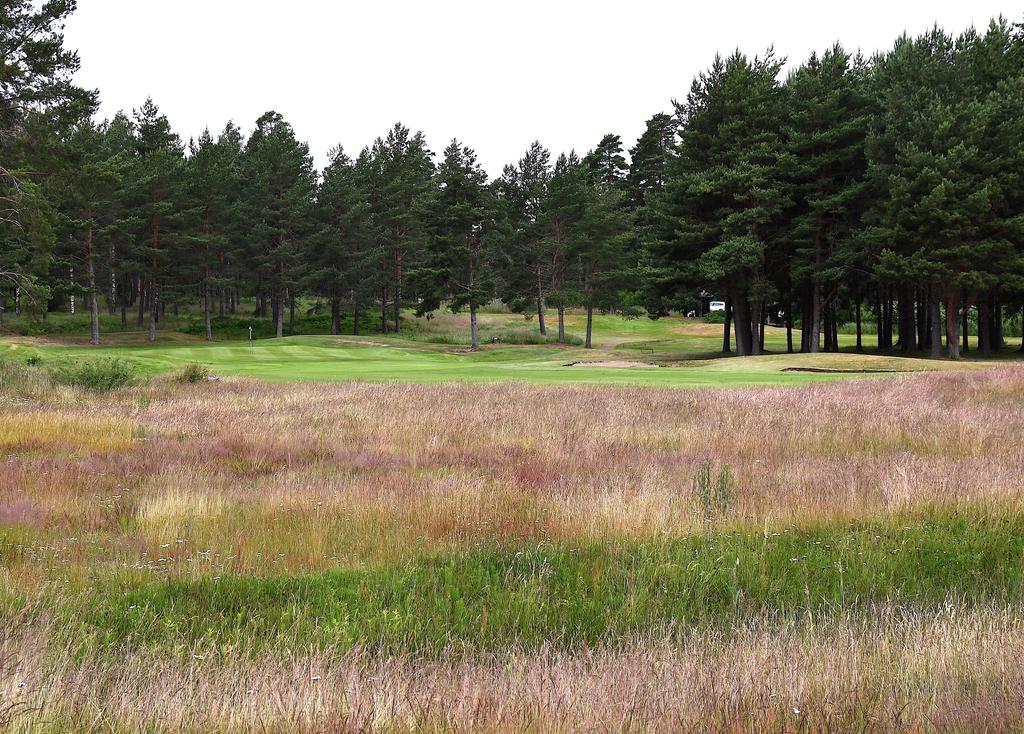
<point>714,496</point>
<point>23,379</point>
<point>97,375</point>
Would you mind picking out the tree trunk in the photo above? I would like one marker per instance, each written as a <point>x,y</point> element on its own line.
<point>540,316</point>
<point>561,323</point>
<point>154,305</point>
<point>474,334</point>
<point>953,324</point>
<point>789,328</point>
<point>998,342</point>
<point>741,318</point>
<point>590,324</point>
<point>908,329</point>
<point>727,333</point>
<point>922,318</point>
<point>814,338</point>
<point>888,319</point>
<point>755,322</point>
<point>1022,329</point>
<point>206,306</point>
<point>94,305</point>
<point>984,326</point>
<point>966,328</point>
<point>816,295</point>
<point>398,296</point>
<point>335,316</point>
<point>355,320</point>
<point>112,299</point>
<point>143,295</point>
<point>935,319</point>
<point>279,315</point>
<point>384,310</point>
<point>291,313</point>
<point>860,340</point>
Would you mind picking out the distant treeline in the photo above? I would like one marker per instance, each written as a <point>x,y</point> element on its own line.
<point>889,188</point>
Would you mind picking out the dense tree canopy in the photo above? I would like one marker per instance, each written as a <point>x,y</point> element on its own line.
<point>885,191</point>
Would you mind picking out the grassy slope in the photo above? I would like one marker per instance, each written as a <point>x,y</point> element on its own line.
<point>686,349</point>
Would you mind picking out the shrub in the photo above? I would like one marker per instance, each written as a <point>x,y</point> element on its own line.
<point>98,375</point>
<point>529,336</point>
<point>714,317</point>
<point>193,373</point>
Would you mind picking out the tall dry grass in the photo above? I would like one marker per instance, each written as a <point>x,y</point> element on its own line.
<point>957,669</point>
<point>246,476</point>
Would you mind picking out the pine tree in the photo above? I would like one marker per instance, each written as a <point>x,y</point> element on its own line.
<point>339,251</point>
<point>561,210</point>
<point>649,159</point>
<point>605,163</point>
<point>456,265</point>
<point>156,195</point>
<point>725,190</point>
<point>401,170</point>
<point>524,266</point>
<point>213,180</point>
<point>280,187</point>
<point>602,249</point>
<point>827,127</point>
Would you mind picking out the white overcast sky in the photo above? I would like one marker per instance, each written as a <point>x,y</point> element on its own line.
<point>497,75</point>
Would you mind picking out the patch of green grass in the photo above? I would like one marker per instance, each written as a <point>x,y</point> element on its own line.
<point>493,597</point>
<point>312,358</point>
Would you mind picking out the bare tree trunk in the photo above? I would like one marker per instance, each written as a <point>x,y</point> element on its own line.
<point>590,325</point>
<point>789,328</point>
<point>112,298</point>
<point>935,319</point>
<point>966,324</point>
<point>279,314</point>
<point>154,304</point>
<point>355,320</point>
<point>291,313</point>
<point>335,315</point>
<point>727,332</point>
<point>94,306</point>
<point>755,320</point>
<point>952,324</point>
<point>984,326</point>
<point>540,304</point>
<point>561,323</point>
<point>860,331</point>
<point>741,319</point>
<point>814,342</point>
<point>474,334</point>
<point>206,306</point>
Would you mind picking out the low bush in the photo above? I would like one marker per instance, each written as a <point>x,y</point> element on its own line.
<point>98,375</point>
<point>193,373</point>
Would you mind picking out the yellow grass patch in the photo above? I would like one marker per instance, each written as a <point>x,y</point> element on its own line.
<point>173,507</point>
<point>33,431</point>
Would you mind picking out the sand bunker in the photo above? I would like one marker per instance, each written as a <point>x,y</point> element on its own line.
<point>611,363</point>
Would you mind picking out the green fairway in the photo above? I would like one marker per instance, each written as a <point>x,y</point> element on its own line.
<point>325,358</point>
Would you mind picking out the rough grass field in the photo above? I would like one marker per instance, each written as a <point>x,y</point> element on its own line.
<point>486,554</point>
